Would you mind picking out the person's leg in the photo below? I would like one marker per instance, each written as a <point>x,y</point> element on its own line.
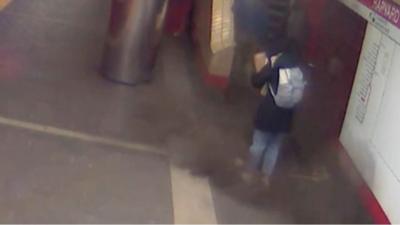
<point>271,154</point>
<point>260,142</point>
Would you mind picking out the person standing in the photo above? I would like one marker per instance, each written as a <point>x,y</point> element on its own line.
<point>274,116</point>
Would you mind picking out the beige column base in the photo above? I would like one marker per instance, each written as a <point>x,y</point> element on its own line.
<point>4,3</point>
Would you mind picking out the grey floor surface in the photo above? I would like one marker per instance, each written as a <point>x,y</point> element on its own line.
<point>50,52</point>
<point>45,179</point>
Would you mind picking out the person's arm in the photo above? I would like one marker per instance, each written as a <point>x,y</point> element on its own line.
<point>259,79</point>
<point>261,64</point>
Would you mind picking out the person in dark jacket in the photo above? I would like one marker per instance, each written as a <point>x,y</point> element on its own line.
<point>272,123</point>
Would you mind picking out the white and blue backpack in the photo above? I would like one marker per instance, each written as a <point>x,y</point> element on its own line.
<point>290,89</point>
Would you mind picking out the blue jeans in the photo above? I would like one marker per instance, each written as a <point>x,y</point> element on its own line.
<point>264,151</point>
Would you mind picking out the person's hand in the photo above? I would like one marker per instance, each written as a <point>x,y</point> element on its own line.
<point>260,60</point>
<point>275,58</point>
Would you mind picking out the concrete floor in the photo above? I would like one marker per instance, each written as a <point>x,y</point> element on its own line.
<point>49,55</point>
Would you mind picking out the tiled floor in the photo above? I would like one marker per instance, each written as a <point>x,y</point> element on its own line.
<point>49,54</point>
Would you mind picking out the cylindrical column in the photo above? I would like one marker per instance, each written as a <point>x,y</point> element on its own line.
<point>133,39</point>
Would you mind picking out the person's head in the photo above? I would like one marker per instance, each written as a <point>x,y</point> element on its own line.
<point>285,48</point>
<point>277,45</point>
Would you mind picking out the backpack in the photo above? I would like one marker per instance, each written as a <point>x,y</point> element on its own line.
<point>291,87</point>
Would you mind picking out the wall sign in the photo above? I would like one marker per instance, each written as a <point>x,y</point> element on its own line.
<point>383,14</point>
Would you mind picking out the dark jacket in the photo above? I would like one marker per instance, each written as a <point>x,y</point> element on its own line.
<point>269,116</point>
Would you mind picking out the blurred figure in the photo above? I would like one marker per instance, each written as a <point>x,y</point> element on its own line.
<point>256,23</point>
<point>260,20</point>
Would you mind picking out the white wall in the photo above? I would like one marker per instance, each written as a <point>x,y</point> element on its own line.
<point>371,130</point>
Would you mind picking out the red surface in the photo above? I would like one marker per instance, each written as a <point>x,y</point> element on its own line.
<point>337,33</point>
<point>314,11</point>
<point>217,81</point>
<point>371,203</point>
<point>177,16</point>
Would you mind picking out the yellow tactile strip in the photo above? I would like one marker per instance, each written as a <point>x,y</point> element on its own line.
<point>192,198</point>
